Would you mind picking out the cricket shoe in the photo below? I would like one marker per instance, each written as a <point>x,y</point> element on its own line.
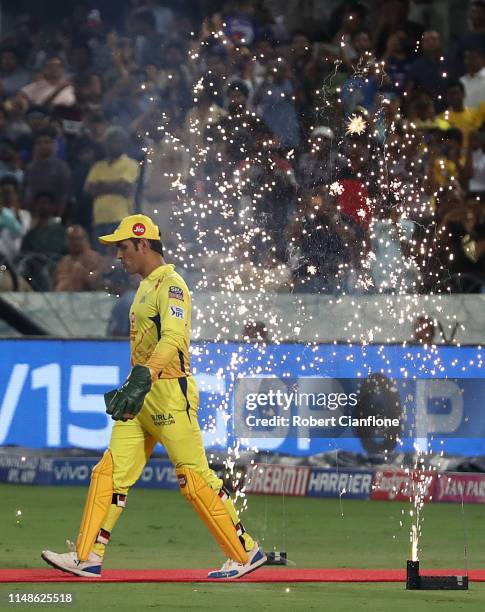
<point>232,569</point>
<point>68,562</point>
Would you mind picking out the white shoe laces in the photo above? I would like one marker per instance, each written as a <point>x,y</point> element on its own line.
<point>71,546</point>
<point>228,565</point>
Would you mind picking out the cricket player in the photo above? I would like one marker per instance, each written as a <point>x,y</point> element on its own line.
<point>157,403</point>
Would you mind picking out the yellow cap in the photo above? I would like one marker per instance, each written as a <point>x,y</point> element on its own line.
<point>134,226</point>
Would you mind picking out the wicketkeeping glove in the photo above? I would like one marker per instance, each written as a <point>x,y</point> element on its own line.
<point>129,398</point>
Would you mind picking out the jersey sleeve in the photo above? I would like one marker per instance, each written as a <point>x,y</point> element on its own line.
<point>173,303</point>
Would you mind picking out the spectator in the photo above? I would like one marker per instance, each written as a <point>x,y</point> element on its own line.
<point>424,330</point>
<point>111,182</point>
<point>80,58</point>
<point>346,21</point>
<point>88,91</point>
<point>121,285</point>
<point>276,101</point>
<point>47,236</point>
<point>316,167</point>
<point>476,17</point>
<point>264,53</point>
<point>352,192</point>
<point>217,66</point>
<point>164,16</point>
<point>239,127</point>
<point>164,168</point>
<point>24,36</point>
<point>9,160</point>
<point>119,321</point>
<point>476,164</point>
<point>431,71</point>
<point>255,331</point>
<point>446,161</point>
<point>205,112</point>
<point>10,232</point>
<point>242,64</point>
<point>397,61</point>
<point>474,79</point>
<point>392,17</point>
<point>268,209</point>
<point>17,127</point>
<point>122,52</point>
<point>46,173</point>
<point>321,247</point>
<point>130,97</point>
<point>392,269</point>
<point>421,111</point>
<point>10,280</point>
<point>300,57</point>
<point>456,264</point>
<point>37,118</point>
<point>86,152</point>
<point>240,24</point>
<point>475,36</point>
<point>457,114</point>
<point>172,83</point>
<point>16,220</point>
<point>321,67</point>
<point>53,88</point>
<point>146,38</point>
<point>360,89</point>
<point>80,269</point>
<point>96,125</point>
<point>12,76</point>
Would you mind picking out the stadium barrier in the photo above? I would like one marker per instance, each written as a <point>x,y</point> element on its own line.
<point>460,317</point>
<point>265,479</point>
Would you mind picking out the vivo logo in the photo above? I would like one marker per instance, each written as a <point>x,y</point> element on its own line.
<point>72,472</point>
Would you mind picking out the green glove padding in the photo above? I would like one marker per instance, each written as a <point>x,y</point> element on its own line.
<point>130,397</point>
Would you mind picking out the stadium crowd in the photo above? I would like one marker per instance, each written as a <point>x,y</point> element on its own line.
<point>351,157</point>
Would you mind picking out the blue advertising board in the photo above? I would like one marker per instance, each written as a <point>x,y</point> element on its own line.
<point>51,391</point>
<point>52,471</point>
<point>350,484</point>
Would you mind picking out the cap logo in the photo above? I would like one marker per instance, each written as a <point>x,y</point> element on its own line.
<point>138,229</point>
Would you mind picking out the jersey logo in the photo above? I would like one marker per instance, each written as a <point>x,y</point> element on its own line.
<point>138,229</point>
<point>177,312</point>
<point>175,293</point>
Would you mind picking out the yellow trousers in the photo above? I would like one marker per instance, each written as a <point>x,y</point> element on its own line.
<point>169,416</point>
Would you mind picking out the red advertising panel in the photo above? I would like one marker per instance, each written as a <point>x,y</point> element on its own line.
<point>455,487</point>
<point>277,479</point>
<point>402,485</point>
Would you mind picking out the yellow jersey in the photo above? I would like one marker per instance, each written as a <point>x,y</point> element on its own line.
<point>111,207</point>
<point>466,121</point>
<point>160,317</point>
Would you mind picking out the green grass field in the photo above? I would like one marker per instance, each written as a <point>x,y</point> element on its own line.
<point>159,529</point>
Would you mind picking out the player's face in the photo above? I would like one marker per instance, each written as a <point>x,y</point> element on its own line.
<point>129,256</point>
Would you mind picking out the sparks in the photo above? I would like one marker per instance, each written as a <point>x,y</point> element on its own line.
<point>356,125</point>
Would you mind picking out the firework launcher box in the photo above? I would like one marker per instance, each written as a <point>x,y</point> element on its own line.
<point>276,557</point>
<point>416,582</point>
